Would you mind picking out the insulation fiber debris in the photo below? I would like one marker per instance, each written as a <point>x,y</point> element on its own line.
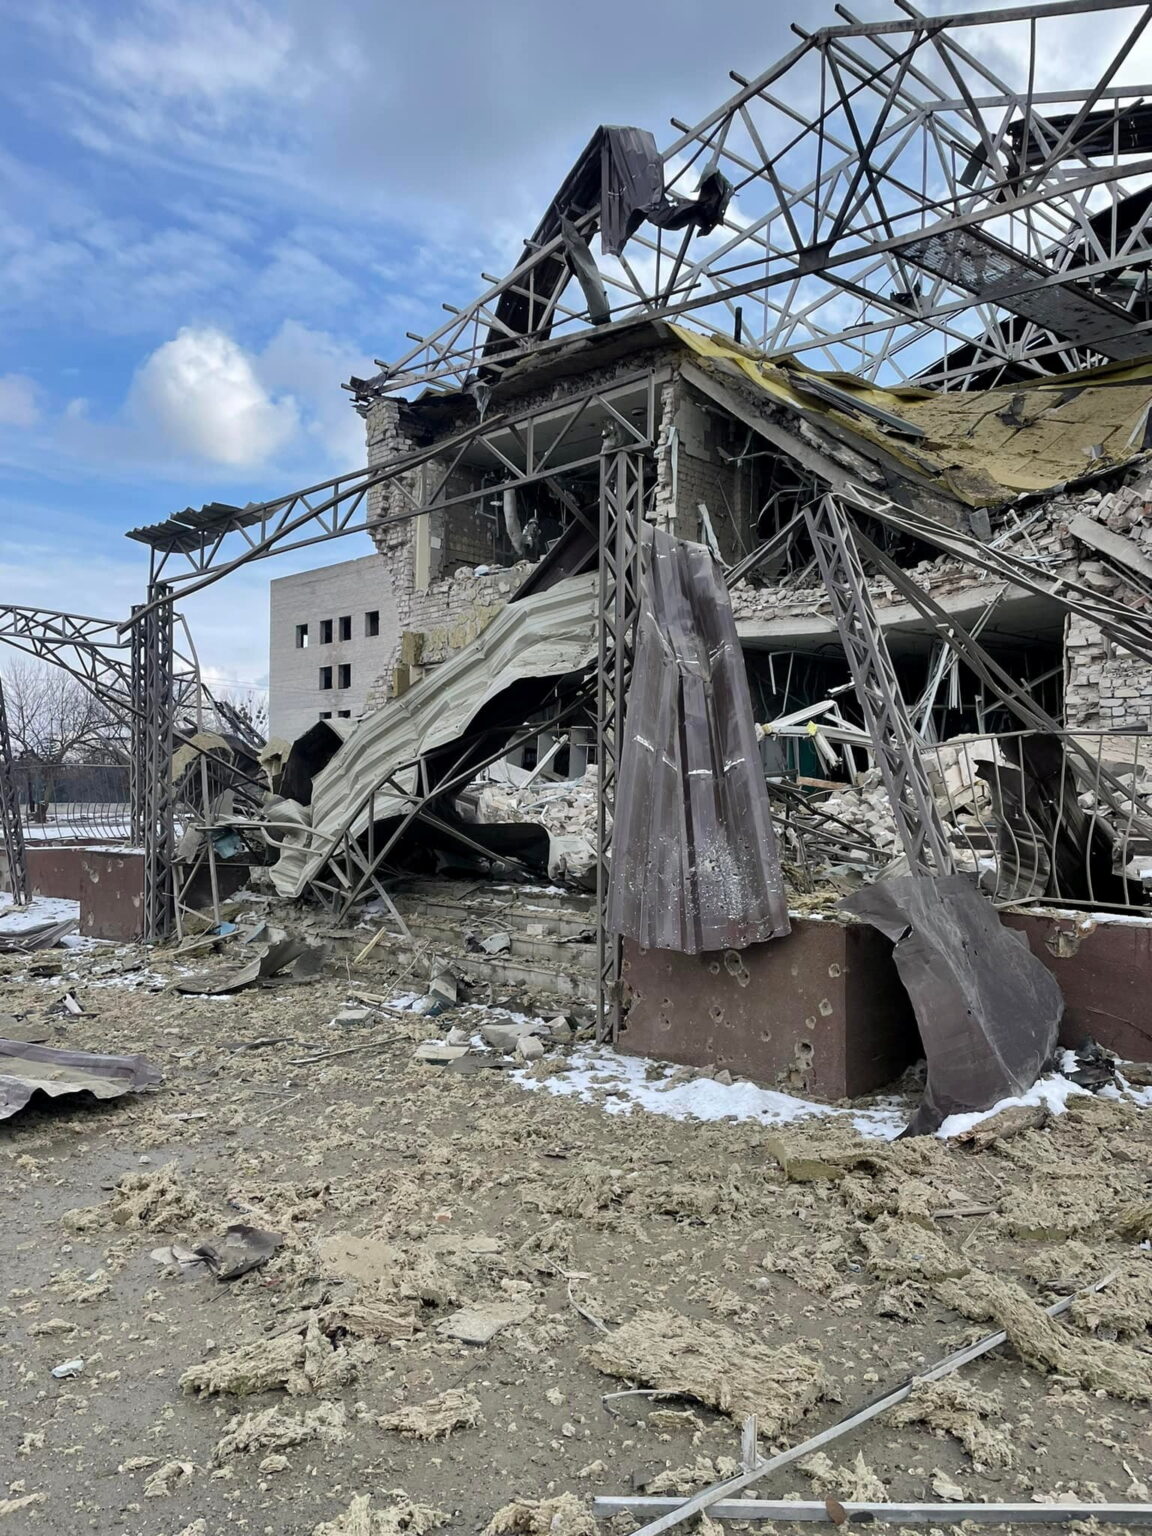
<point>715,1365</point>
<point>856,1482</point>
<point>904,1250</point>
<point>274,1430</point>
<point>1042,1343</point>
<point>298,1363</point>
<point>1050,1209</point>
<point>962,1411</point>
<point>1123,1308</point>
<point>435,1419</point>
<point>360,1519</point>
<point>160,1201</point>
<point>565,1515</point>
<point>700,1474</point>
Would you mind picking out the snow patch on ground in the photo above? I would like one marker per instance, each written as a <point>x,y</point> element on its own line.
<point>622,1083</point>
<point>1051,1093</point>
<point>41,909</point>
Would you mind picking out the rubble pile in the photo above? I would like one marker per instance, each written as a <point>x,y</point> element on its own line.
<point>565,808</point>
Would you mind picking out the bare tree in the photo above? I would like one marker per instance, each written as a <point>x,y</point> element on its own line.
<point>55,723</point>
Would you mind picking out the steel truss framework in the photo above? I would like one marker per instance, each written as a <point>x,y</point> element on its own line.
<point>902,208</point>
<point>881,702</point>
<point>509,449</point>
<point>621,513</point>
<point>11,827</point>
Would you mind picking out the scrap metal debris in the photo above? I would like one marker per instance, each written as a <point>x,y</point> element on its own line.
<point>26,940</point>
<point>27,1069</point>
<point>987,1009</point>
<point>279,954</point>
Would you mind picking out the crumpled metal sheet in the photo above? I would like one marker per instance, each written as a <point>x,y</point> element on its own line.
<point>27,1069</point>
<point>43,936</point>
<point>695,864</point>
<point>988,1010</point>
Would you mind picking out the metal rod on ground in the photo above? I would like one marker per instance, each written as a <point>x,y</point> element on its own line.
<point>708,1497</point>
<point>894,1514</point>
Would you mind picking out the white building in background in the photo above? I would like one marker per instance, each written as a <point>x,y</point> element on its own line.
<point>333,631</point>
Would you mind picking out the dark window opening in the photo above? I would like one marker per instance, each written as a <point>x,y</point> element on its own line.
<point>372,623</point>
<point>343,714</point>
<point>345,676</point>
<point>325,677</point>
<point>325,714</point>
<point>325,631</point>
<point>346,626</point>
<point>301,637</point>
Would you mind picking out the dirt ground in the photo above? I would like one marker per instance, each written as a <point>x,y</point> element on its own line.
<point>675,1254</point>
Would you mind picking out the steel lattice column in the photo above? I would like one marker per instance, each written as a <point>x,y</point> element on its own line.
<point>885,715</point>
<point>153,800</point>
<point>11,826</point>
<point>621,511</point>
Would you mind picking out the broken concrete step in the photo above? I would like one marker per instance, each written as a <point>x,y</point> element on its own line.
<point>556,921</point>
<point>562,984</point>
<point>521,946</point>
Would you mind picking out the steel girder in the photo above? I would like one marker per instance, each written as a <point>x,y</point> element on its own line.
<point>886,718</point>
<point>907,192</point>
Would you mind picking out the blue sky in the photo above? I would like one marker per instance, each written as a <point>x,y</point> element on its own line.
<point>211,213</point>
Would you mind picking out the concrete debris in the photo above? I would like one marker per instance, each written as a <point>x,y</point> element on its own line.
<point>566,810</point>
<point>945,1487</point>
<point>24,1501</point>
<point>565,1515</point>
<point>856,1482</point>
<point>958,1409</point>
<point>438,1053</point>
<point>480,1324</point>
<point>402,1516</point>
<point>529,1048</point>
<point>271,1429</point>
<point>68,1368</point>
<point>301,1362</point>
<point>715,1365</point>
<point>435,1419</point>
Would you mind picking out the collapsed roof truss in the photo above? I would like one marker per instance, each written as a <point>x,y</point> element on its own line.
<point>897,200</point>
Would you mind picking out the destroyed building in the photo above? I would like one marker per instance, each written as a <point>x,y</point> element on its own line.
<point>765,562</point>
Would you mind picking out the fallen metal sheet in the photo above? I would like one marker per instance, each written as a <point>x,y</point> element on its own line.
<point>694,858</point>
<point>284,951</point>
<point>988,1010</point>
<point>549,634</point>
<point>44,936</point>
<point>27,1069</point>
<point>241,1250</point>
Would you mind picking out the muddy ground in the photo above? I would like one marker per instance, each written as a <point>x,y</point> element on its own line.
<point>675,1254</point>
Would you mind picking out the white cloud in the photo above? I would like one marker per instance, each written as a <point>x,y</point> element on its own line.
<point>201,394</point>
<point>18,405</point>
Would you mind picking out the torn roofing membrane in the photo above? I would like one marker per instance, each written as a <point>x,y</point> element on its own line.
<point>27,1069</point>
<point>981,447</point>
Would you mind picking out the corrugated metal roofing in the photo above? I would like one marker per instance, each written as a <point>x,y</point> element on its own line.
<point>694,858</point>
<point>547,634</point>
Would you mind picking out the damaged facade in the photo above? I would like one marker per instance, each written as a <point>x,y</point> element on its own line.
<point>777,609</point>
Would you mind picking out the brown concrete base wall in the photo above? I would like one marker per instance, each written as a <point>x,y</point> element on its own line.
<point>820,1012</point>
<point>1105,975</point>
<point>112,895</point>
<point>56,871</point>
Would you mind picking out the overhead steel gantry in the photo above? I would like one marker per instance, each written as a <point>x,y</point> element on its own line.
<point>901,208</point>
